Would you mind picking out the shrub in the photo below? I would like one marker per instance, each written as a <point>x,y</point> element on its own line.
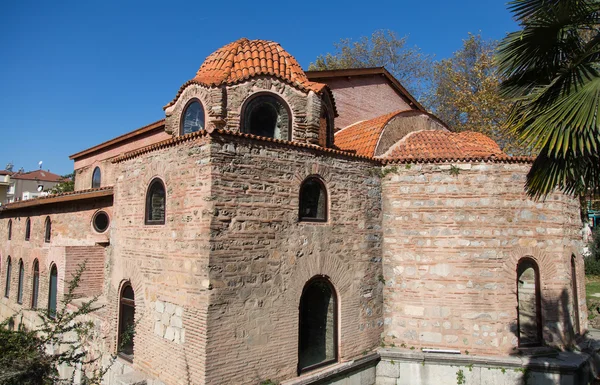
<point>592,266</point>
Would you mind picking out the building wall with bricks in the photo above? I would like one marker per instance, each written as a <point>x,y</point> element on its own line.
<point>262,256</point>
<point>453,235</point>
<point>72,242</point>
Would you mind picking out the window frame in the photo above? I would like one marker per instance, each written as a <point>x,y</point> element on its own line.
<point>35,284</point>
<point>10,229</point>
<point>258,94</point>
<point>47,230</point>
<point>28,229</point>
<point>20,282</point>
<point>575,290</point>
<point>7,276</point>
<point>184,110</point>
<point>130,303</point>
<point>321,182</point>
<point>336,342</point>
<point>148,206</point>
<point>52,312</point>
<point>97,168</point>
<point>530,262</point>
<point>96,229</point>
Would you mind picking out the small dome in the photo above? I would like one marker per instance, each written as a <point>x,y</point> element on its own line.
<point>245,58</point>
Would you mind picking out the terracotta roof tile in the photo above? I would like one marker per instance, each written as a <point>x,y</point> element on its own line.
<point>437,144</point>
<point>362,137</point>
<point>243,58</point>
<point>40,175</point>
<point>58,198</point>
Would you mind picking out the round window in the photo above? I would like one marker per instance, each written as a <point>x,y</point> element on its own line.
<point>101,221</point>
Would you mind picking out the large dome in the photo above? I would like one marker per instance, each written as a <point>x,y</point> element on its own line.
<point>245,58</point>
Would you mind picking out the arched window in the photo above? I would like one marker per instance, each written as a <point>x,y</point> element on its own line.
<point>27,229</point>
<point>126,321</point>
<point>529,303</point>
<point>48,230</point>
<point>192,118</point>
<point>576,326</point>
<point>318,325</point>
<point>8,272</point>
<point>266,115</point>
<point>52,291</point>
<point>9,229</point>
<point>36,284</point>
<point>20,285</point>
<point>155,203</point>
<point>313,200</point>
<point>96,178</point>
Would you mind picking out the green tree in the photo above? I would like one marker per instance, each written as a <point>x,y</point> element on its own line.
<point>551,71</point>
<point>382,49</point>
<point>465,93</point>
<point>32,357</point>
<point>67,184</point>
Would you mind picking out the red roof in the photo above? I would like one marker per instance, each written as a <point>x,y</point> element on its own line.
<point>438,144</point>
<point>243,59</point>
<point>362,137</point>
<point>40,175</point>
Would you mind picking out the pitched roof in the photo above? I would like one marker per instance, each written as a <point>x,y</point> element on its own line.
<point>60,198</point>
<point>362,137</point>
<point>40,175</point>
<point>156,126</point>
<point>243,59</point>
<point>438,144</point>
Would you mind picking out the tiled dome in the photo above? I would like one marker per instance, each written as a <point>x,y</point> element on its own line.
<point>243,59</point>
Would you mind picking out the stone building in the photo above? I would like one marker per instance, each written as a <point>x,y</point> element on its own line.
<point>301,227</point>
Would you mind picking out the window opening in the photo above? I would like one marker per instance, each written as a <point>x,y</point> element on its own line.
<point>126,322</point>
<point>27,229</point>
<point>20,283</point>
<point>313,200</point>
<point>193,118</point>
<point>52,292</point>
<point>155,203</point>
<point>36,284</point>
<point>48,231</point>
<point>268,116</point>
<point>8,272</point>
<point>100,221</point>
<point>96,178</point>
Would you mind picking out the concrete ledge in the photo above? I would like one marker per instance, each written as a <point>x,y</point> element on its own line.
<point>564,362</point>
<point>329,373</point>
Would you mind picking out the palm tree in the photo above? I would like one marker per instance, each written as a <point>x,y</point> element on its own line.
<point>551,71</point>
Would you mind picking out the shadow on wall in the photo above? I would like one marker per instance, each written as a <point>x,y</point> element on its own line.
<point>547,330</point>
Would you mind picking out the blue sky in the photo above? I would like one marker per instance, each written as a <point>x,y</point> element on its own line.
<point>77,73</point>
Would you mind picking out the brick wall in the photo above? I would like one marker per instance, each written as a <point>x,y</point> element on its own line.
<point>452,239</point>
<point>71,231</point>
<point>261,257</point>
<point>167,265</point>
<point>363,98</point>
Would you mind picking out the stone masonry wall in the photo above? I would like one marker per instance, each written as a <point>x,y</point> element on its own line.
<point>166,264</point>
<point>453,235</point>
<point>261,257</point>
<point>305,108</point>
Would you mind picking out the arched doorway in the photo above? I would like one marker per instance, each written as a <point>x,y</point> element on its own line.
<point>317,342</point>
<point>529,303</point>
